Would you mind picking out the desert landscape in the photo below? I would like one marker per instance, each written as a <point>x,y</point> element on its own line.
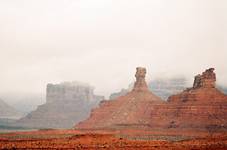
<point>113,74</point>
<point>192,119</point>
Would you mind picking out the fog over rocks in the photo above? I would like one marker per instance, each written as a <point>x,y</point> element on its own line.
<point>8,112</point>
<point>66,103</point>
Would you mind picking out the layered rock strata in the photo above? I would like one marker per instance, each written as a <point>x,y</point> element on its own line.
<point>203,106</point>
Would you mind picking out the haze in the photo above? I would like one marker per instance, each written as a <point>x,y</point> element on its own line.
<point>101,42</point>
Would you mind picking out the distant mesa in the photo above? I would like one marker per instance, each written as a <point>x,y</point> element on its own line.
<point>165,87</point>
<point>133,109</point>
<point>69,91</point>
<point>66,104</point>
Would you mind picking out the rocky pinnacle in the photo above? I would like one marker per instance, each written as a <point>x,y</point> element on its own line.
<point>140,84</point>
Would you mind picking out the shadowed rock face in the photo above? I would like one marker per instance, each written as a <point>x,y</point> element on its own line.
<point>202,106</point>
<point>133,109</point>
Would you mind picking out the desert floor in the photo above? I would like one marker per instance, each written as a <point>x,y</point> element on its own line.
<point>114,139</point>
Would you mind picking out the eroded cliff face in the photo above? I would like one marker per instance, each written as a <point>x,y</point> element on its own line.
<point>133,109</point>
<point>201,107</point>
<point>66,104</point>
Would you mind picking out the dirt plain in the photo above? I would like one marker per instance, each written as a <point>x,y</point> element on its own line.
<point>114,139</point>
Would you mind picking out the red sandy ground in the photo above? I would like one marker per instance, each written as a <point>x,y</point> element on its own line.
<point>124,139</point>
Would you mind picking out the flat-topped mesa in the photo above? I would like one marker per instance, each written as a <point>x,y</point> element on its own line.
<point>140,84</point>
<point>67,103</point>
<point>69,91</point>
<point>206,80</point>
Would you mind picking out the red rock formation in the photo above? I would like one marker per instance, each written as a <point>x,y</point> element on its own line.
<point>206,80</point>
<point>131,109</point>
<point>202,106</point>
<point>203,90</point>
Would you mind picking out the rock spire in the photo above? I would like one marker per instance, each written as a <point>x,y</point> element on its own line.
<point>140,84</point>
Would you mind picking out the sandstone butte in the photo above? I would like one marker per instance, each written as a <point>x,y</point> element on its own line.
<point>133,109</point>
<point>201,107</point>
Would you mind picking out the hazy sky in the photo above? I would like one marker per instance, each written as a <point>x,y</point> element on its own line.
<point>102,41</point>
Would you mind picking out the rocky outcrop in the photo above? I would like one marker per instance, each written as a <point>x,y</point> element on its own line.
<point>201,107</point>
<point>66,104</point>
<point>206,80</point>
<point>8,112</point>
<point>203,90</point>
<point>133,109</point>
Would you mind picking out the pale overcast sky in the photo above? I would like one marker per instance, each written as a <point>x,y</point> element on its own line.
<point>102,41</point>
